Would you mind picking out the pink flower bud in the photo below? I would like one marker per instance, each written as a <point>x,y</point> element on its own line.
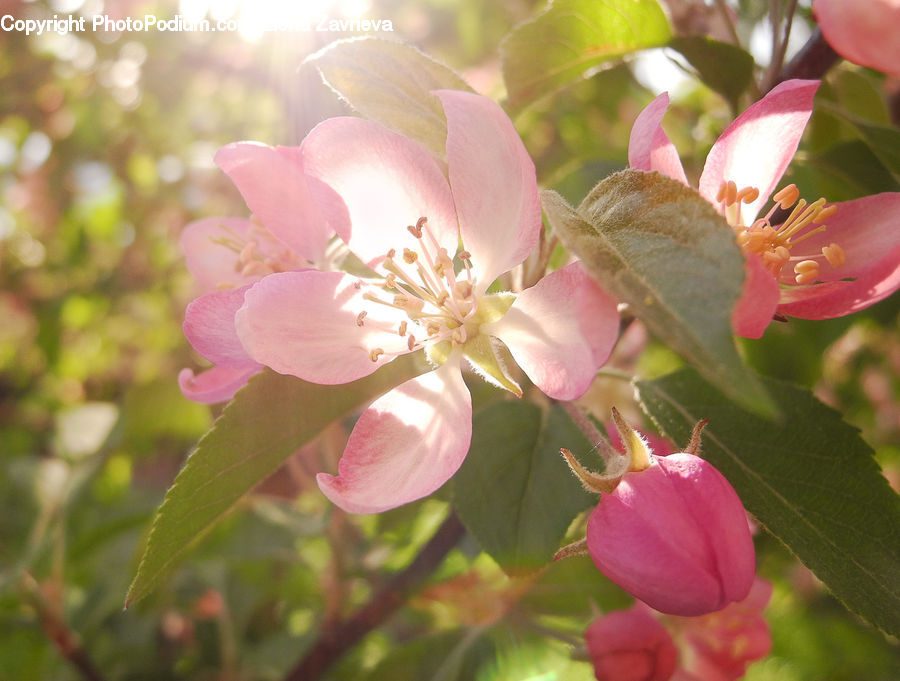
<point>674,535</point>
<point>631,645</point>
<point>864,32</point>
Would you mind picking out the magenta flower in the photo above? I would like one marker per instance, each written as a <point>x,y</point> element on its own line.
<point>822,260</point>
<point>631,645</point>
<point>864,32</point>
<point>227,255</point>
<point>405,219</point>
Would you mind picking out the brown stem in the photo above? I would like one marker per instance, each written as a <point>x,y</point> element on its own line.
<point>812,61</point>
<point>56,629</point>
<point>335,640</point>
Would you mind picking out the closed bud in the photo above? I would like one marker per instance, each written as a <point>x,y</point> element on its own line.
<point>674,535</point>
<point>631,645</point>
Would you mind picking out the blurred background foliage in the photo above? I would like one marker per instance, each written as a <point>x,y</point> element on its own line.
<point>106,146</point>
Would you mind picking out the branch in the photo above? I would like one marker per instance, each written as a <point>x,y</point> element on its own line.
<point>812,61</point>
<point>335,640</point>
<point>56,629</point>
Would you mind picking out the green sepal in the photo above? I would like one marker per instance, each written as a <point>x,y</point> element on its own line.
<point>482,354</point>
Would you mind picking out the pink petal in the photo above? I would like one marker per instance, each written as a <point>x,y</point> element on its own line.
<point>649,147</point>
<point>493,182</point>
<point>209,327</point>
<point>273,185</point>
<point>218,384</point>
<point>868,229</point>
<point>406,445</point>
<point>759,298</point>
<point>306,324</point>
<point>209,261</point>
<point>560,331</point>
<point>755,150</point>
<point>863,32</point>
<point>386,182</point>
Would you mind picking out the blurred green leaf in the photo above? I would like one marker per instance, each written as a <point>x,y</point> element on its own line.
<point>663,249</point>
<point>571,37</point>
<point>391,83</point>
<point>514,492</point>
<point>811,481</point>
<point>851,170</point>
<point>267,421</point>
<point>725,68</point>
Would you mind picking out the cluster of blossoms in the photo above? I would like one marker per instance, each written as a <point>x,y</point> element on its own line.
<point>809,260</point>
<point>429,240</point>
<point>638,644</point>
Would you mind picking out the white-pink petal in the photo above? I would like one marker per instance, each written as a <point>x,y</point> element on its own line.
<point>217,384</point>
<point>386,183</point>
<point>560,331</point>
<point>649,148</point>
<point>759,298</point>
<point>755,150</point>
<point>493,182</point>
<point>406,445</point>
<point>272,182</point>
<point>209,327</point>
<point>308,324</point>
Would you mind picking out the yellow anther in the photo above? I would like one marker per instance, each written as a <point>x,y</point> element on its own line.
<point>787,196</point>
<point>834,254</point>
<point>409,256</point>
<point>782,252</point>
<point>390,281</point>
<point>375,353</point>
<point>806,266</point>
<point>360,317</point>
<point>411,342</point>
<point>463,289</point>
<point>391,253</point>
<point>826,212</point>
<point>747,195</point>
<point>402,330</point>
<point>441,299</point>
<point>247,252</point>
<point>432,329</point>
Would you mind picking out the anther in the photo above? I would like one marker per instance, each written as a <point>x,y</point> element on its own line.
<point>464,255</point>
<point>415,231</point>
<point>409,257</point>
<point>432,329</point>
<point>826,213</point>
<point>747,195</point>
<point>402,330</point>
<point>375,353</point>
<point>360,317</point>
<point>787,196</point>
<point>357,285</point>
<point>834,254</point>
<point>807,271</point>
<point>391,253</point>
<point>411,342</point>
<point>421,222</point>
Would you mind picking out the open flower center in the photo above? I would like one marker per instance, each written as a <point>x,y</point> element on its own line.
<point>773,243</point>
<point>256,254</point>
<point>422,283</point>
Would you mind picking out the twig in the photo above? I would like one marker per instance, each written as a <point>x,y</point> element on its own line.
<point>56,629</point>
<point>812,61</point>
<point>779,44</point>
<point>336,640</point>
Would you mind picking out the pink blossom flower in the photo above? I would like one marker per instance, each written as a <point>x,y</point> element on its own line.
<point>227,255</point>
<point>637,645</point>
<point>864,32</point>
<point>404,219</point>
<point>631,645</point>
<point>798,265</point>
<point>670,530</point>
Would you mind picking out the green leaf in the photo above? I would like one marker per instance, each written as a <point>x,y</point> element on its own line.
<point>663,249</point>
<point>514,492</point>
<point>391,83</point>
<point>725,68</point>
<point>571,37</point>
<point>267,421</point>
<point>811,481</point>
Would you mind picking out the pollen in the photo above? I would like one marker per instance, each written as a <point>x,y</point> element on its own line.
<point>774,243</point>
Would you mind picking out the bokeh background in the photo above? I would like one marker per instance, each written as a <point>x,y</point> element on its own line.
<point>106,147</point>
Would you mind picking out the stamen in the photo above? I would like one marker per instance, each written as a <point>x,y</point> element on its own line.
<point>787,196</point>
<point>411,342</point>
<point>402,330</point>
<point>409,257</point>
<point>375,353</point>
<point>807,271</point>
<point>360,317</point>
<point>747,195</point>
<point>834,254</point>
<point>416,231</point>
